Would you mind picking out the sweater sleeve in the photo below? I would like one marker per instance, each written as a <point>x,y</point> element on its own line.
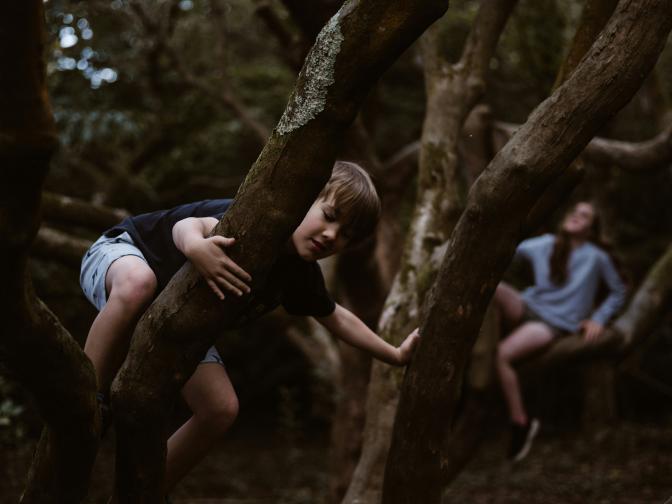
<point>616,296</point>
<point>523,250</point>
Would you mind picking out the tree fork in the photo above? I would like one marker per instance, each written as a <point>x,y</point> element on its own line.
<point>182,323</point>
<point>452,91</point>
<point>483,243</point>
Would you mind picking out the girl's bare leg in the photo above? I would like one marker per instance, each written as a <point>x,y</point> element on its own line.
<point>510,304</point>
<point>525,340</point>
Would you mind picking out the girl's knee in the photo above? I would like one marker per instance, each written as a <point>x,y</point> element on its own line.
<point>502,355</point>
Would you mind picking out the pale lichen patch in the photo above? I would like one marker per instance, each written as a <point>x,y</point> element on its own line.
<point>317,76</point>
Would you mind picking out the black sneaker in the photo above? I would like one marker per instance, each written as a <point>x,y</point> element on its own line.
<point>522,437</point>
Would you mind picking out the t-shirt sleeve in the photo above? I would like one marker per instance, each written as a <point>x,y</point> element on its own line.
<point>306,294</point>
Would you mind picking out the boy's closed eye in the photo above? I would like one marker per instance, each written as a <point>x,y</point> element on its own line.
<point>329,214</point>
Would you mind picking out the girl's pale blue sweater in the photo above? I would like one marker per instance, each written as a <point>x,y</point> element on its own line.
<point>565,306</point>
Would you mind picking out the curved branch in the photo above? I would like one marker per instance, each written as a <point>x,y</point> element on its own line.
<point>646,155</point>
<point>52,244</point>
<point>76,211</point>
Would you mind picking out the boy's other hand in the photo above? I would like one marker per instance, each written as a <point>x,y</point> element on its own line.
<point>407,348</point>
<point>220,272</point>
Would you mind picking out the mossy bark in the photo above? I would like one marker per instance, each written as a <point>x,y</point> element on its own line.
<point>452,91</point>
<point>177,329</point>
<point>36,349</point>
<point>486,235</point>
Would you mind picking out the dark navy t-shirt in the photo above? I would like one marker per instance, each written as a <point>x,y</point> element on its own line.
<point>295,284</point>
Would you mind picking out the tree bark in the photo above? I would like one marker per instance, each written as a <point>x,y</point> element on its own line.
<point>452,91</point>
<point>35,347</point>
<point>52,244</point>
<point>635,156</point>
<point>640,156</point>
<point>183,322</point>
<point>483,241</point>
<point>76,211</point>
<point>594,17</point>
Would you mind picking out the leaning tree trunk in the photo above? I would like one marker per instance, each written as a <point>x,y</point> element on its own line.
<point>177,329</point>
<point>462,441</point>
<point>485,238</point>
<point>33,344</point>
<point>452,91</point>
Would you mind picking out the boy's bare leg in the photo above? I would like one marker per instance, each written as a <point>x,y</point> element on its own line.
<point>213,401</point>
<point>525,340</point>
<point>130,284</point>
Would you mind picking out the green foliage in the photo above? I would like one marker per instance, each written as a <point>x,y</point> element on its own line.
<point>122,93</point>
<point>527,59</point>
<point>13,427</point>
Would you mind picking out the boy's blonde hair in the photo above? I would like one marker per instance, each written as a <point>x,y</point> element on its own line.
<point>355,199</point>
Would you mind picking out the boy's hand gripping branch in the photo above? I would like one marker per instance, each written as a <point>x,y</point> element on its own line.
<point>407,347</point>
<point>208,255</point>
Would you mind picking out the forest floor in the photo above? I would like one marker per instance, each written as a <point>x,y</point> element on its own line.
<point>625,464</point>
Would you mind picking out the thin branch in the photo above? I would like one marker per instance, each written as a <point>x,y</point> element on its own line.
<point>76,211</point>
<point>291,51</point>
<point>639,156</point>
<point>223,95</point>
<point>52,244</point>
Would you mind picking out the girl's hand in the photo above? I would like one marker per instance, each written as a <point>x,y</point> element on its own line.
<point>406,349</point>
<point>591,330</point>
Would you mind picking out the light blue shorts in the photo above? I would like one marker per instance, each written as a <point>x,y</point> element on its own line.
<point>98,260</point>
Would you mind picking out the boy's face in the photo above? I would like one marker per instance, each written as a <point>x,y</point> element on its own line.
<point>320,234</point>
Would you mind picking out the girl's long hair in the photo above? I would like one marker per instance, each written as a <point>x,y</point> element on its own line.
<point>563,247</point>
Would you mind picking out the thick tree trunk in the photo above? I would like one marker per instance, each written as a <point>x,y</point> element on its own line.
<point>35,347</point>
<point>484,239</point>
<point>599,395</point>
<point>177,329</point>
<point>452,91</point>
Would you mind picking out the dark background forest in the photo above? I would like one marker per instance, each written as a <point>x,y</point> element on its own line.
<point>167,102</point>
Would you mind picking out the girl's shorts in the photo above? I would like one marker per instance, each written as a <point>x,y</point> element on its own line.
<point>98,260</point>
<point>531,316</point>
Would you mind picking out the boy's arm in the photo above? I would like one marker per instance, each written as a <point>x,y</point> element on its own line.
<point>206,253</point>
<point>346,326</point>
